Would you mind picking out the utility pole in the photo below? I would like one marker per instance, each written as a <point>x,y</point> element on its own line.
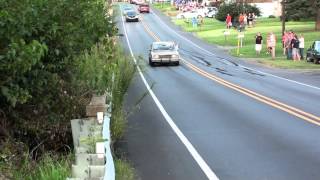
<point>283,15</point>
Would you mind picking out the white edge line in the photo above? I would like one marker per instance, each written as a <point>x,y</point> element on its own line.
<point>196,156</point>
<point>293,81</point>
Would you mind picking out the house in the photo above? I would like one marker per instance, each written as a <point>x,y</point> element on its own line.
<point>267,7</point>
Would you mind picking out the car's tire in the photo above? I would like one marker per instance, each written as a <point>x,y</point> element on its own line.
<point>151,63</point>
<point>182,16</point>
<point>308,58</point>
<point>316,61</point>
<point>177,63</point>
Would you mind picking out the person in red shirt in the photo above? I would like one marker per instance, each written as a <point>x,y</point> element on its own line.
<point>228,21</point>
<point>241,21</point>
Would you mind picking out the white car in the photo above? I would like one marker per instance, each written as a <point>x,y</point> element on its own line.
<point>132,16</point>
<point>211,12</point>
<point>164,52</point>
<point>191,14</point>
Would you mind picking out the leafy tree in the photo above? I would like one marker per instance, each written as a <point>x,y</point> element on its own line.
<point>234,9</point>
<point>40,45</point>
<point>303,9</point>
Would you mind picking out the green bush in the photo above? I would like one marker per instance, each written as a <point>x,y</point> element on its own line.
<point>272,16</point>
<point>40,45</point>
<point>234,9</point>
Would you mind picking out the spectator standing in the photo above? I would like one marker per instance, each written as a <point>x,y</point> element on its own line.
<point>284,40</point>
<point>268,44</point>
<point>259,41</point>
<point>229,21</point>
<point>295,48</point>
<point>241,22</point>
<point>288,44</point>
<point>301,46</point>
<point>272,45</point>
<point>194,22</point>
<point>245,19</point>
<point>250,19</point>
<point>254,19</point>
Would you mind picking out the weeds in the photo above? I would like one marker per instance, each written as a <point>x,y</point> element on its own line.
<point>124,170</point>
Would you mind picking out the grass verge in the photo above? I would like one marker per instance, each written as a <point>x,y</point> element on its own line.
<point>212,31</point>
<point>124,170</point>
<point>50,167</point>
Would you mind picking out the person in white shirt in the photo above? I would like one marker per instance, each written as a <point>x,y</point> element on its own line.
<point>301,45</point>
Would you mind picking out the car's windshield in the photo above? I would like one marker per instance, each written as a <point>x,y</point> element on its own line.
<point>131,13</point>
<point>317,46</point>
<point>163,46</point>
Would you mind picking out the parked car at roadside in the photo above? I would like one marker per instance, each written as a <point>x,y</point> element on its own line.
<point>313,53</point>
<point>191,14</point>
<point>164,52</point>
<point>144,8</point>
<point>211,11</point>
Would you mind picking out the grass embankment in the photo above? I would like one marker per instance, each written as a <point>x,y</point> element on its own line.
<point>166,8</point>
<point>212,31</point>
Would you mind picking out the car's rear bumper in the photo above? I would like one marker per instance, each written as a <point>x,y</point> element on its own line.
<point>144,10</point>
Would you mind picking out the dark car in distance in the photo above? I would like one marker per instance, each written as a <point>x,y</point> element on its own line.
<point>313,53</point>
<point>144,8</point>
<point>132,16</point>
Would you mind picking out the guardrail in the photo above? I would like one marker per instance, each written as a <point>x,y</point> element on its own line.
<point>91,139</point>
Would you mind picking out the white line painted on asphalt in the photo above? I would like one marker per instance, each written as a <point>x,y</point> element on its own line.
<point>194,153</point>
<point>282,78</point>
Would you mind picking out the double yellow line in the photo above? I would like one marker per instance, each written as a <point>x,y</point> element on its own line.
<point>274,103</point>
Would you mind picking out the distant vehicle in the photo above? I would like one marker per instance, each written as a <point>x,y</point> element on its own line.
<point>139,2</point>
<point>313,53</point>
<point>132,1</point>
<point>132,16</point>
<point>191,14</point>
<point>164,52</point>
<point>211,11</point>
<point>144,8</point>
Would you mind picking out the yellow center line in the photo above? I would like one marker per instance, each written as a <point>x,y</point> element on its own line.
<point>279,105</point>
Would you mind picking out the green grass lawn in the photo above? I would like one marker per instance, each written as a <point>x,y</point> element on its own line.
<point>166,8</point>
<point>212,32</point>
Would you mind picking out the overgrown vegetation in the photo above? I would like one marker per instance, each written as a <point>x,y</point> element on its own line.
<point>54,54</point>
<point>124,170</point>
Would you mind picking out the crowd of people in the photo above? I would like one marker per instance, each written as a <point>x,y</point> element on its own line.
<point>244,19</point>
<point>293,45</point>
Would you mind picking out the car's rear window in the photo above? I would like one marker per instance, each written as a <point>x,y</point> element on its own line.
<point>144,5</point>
<point>163,47</point>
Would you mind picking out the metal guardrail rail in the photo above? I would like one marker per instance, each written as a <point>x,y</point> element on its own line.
<point>91,139</point>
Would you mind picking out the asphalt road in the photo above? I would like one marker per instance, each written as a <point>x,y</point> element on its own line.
<point>214,114</point>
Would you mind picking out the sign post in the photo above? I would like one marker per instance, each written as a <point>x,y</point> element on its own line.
<point>226,33</point>
<point>240,40</point>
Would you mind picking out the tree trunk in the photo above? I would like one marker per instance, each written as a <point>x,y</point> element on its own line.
<point>318,20</point>
<point>283,16</point>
